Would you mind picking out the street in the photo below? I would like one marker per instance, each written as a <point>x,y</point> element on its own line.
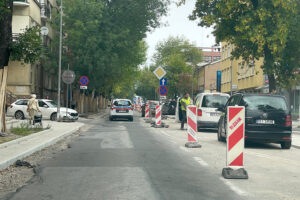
<point>131,160</point>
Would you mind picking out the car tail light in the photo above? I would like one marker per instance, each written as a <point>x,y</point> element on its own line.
<point>10,106</point>
<point>288,121</point>
<point>199,112</point>
<point>112,108</point>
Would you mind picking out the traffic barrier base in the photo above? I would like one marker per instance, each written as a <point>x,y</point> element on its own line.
<point>230,173</point>
<point>192,145</point>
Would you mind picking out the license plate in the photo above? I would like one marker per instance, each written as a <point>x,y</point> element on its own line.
<point>262,121</point>
<point>214,114</point>
<point>122,111</point>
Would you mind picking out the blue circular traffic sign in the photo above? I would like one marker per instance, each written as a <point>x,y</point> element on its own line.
<point>163,90</point>
<point>84,80</point>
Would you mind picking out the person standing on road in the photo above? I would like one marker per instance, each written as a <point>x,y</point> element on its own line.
<point>185,101</point>
<point>32,107</point>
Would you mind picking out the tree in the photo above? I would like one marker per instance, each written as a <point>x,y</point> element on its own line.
<point>257,28</point>
<point>104,40</point>
<point>25,47</point>
<point>179,58</point>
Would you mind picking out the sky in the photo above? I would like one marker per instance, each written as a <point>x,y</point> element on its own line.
<point>178,24</point>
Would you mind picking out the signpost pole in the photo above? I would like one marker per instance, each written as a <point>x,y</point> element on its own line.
<point>59,63</point>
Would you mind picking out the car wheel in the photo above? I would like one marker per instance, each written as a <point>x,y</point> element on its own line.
<point>286,145</point>
<point>19,115</point>
<point>220,138</point>
<point>53,117</point>
<point>110,119</point>
<point>131,119</point>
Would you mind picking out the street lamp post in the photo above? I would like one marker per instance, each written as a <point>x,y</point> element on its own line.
<point>59,63</point>
<point>230,77</point>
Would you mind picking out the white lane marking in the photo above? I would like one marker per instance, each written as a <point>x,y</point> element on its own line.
<point>202,162</point>
<point>234,188</point>
<point>184,149</point>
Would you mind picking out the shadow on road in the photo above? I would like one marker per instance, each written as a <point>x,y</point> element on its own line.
<point>257,145</point>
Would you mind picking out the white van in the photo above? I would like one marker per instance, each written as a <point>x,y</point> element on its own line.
<point>207,104</point>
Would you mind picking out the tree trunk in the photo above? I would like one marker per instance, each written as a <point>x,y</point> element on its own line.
<point>268,67</point>
<point>272,83</point>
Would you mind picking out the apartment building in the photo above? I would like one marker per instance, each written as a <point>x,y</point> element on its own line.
<point>246,76</point>
<point>211,54</point>
<point>25,79</point>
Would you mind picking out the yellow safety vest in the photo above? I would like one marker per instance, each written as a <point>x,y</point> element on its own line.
<point>186,102</point>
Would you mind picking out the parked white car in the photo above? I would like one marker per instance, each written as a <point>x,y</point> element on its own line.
<point>121,108</point>
<point>47,107</point>
<point>207,104</point>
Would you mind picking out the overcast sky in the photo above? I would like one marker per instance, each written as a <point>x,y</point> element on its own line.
<point>178,24</point>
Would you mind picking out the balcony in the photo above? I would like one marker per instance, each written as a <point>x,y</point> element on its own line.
<point>21,3</point>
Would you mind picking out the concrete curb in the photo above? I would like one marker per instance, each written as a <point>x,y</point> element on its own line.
<point>22,139</point>
<point>28,152</point>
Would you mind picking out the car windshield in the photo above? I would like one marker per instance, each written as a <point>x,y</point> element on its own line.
<point>214,101</point>
<point>51,104</point>
<point>122,103</point>
<point>264,103</point>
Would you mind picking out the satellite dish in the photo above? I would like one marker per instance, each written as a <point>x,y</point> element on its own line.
<point>44,30</point>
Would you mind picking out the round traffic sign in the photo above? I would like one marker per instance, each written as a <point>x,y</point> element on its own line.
<point>44,30</point>
<point>68,77</point>
<point>84,81</point>
<point>163,90</point>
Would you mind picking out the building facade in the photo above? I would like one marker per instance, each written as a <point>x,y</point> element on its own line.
<point>211,54</point>
<point>25,79</point>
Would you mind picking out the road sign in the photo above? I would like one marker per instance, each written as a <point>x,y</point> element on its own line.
<point>159,72</point>
<point>68,77</point>
<point>163,81</point>
<point>163,97</point>
<point>44,30</point>
<point>219,73</point>
<point>234,87</point>
<point>84,81</point>
<point>163,90</point>
<point>83,87</point>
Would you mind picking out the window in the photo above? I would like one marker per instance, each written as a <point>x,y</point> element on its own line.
<point>264,103</point>
<point>22,102</point>
<point>42,104</point>
<point>216,58</point>
<point>234,100</point>
<point>122,103</point>
<point>214,101</point>
<point>240,71</point>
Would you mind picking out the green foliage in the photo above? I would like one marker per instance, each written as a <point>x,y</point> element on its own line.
<point>27,46</point>
<point>104,41</point>
<point>3,8</point>
<point>178,57</point>
<point>258,28</point>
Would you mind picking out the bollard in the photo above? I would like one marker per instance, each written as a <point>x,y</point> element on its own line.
<point>235,144</point>
<point>147,113</point>
<point>158,116</point>
<point>192,127</point>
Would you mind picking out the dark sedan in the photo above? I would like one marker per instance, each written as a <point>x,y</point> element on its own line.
<point>268,119</point>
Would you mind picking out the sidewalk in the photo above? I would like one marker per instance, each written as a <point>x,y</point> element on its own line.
<point>23,147</point>
<point>296,124</point>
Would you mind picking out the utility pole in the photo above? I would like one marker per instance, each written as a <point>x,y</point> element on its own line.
<point>230,77</point>
<point>59,63</point>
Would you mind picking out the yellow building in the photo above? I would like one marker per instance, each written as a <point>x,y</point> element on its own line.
<point>24,79</point>
<point>246,77</point>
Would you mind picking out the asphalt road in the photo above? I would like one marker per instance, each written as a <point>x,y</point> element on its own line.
<point>124,160</point>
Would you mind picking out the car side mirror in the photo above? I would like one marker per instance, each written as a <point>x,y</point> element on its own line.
<point>45,106</point>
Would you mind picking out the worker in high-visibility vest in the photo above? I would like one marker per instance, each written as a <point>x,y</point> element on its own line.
<point>185,101</point>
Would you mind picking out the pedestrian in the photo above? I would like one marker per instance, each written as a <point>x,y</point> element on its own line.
<point>185,101</point>
<point>32,107</point>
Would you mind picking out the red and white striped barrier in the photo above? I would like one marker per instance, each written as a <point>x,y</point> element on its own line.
<point>158,115</point>
<point>147,111</point>
<point>192,123</point>
<point>235,143</point>
<point>192,127</point>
